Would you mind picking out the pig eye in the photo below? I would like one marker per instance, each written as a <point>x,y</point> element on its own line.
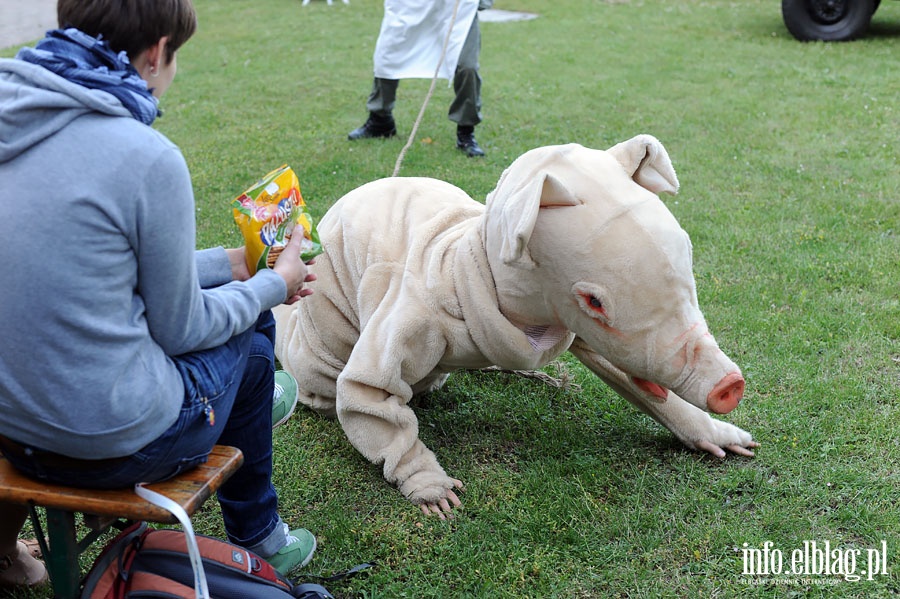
<point>594,304</point>
<point>592,300</point>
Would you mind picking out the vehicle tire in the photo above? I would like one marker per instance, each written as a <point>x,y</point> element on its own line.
<point>827,20</point>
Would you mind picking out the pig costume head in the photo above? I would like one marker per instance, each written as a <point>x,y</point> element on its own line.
<point>626,287</point>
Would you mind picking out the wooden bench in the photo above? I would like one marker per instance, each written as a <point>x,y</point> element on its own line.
<point>101,509</point>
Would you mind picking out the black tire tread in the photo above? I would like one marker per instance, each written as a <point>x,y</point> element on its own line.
<point>801,23</point>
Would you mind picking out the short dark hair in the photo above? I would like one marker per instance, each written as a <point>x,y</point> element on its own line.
<point>131,26</point>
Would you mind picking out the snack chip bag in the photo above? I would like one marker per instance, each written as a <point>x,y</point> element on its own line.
<point>268,213</point>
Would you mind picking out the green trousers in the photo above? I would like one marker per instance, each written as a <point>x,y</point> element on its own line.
<point>465,110</point>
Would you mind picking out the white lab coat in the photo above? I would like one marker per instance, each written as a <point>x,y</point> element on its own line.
<point>413,34</point>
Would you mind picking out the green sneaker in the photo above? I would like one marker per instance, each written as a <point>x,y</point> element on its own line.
<point>284,399</point>
<point>301,545</point>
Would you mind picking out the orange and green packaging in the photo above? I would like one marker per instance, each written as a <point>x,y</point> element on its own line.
<point>268,213</point>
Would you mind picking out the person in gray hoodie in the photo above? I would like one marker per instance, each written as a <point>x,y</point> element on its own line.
<point>126,353</point>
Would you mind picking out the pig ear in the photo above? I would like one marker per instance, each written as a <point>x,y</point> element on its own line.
<point>520,212</point>
<point>555,194</point>
<point>648,163</point>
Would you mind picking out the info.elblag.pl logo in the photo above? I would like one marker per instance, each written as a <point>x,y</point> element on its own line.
<point>816,559</point>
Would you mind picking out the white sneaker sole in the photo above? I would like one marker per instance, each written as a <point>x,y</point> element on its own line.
<point>289,414</point>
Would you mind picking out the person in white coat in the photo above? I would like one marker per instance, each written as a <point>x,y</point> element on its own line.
<point>409,46</point>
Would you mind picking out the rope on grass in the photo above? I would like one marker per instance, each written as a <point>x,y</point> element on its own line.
<point>412,134</point>
<point>562,380</point>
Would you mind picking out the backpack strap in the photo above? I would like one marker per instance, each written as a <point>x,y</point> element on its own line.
<point>113,565</point>
<point>201,589</point>
<point>311,590</point>
<point>341,575</point>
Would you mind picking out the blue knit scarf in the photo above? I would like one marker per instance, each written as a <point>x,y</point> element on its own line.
<point>89,62</point>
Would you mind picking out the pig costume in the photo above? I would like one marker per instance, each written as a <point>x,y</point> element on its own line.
<point>418,280</point>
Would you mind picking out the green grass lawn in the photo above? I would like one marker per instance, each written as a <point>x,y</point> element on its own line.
<point>788,159</point>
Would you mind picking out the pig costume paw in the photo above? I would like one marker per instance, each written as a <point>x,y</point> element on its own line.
<point>715,436</point>
<point>432,493</point>
<point>422,480</point>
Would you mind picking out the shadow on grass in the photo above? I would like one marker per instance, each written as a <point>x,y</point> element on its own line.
<point>531,421</point>
<point>883,30</point>
<point>772,23</point>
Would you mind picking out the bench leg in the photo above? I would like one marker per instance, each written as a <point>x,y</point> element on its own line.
<point>61,556</point>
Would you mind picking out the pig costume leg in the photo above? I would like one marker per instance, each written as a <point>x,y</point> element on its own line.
<point>691,425</point>
<point>349,346</point>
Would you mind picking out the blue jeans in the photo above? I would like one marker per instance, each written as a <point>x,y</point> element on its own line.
<point>227,400</point>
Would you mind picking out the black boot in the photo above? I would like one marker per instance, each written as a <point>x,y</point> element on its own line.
<point>375,126</point>
<point>465,141</point>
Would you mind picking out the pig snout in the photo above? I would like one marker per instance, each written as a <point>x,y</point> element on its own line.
<point>702,374</point>
<point>727,394</point>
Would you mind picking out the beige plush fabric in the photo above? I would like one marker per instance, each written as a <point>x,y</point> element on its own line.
<point>418,280</point>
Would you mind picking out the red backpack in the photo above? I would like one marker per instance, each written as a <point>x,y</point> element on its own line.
<point>146,562</point>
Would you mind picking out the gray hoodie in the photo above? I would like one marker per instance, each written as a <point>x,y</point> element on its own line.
<point>99,280</point>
